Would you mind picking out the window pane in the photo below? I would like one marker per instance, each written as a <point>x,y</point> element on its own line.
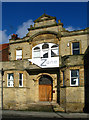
<point>73,81</point>
<point>20,76</point>
<point>54,46</point>
<point>20,79</point>
<point>76,48</point>
<point>75,45</point>
<point>54,53</point>
<point>18,57</point>
<point>76,52</point>
<point>20,82</point>
<point>10,76</point>
<point>45,55</point>
<point>36,48</point>
<point>10,79</point>
<point>45,46</point>
<point>8,83</point>
<point>74,73</point>
<point>36,53</point>
<point>18,52</point>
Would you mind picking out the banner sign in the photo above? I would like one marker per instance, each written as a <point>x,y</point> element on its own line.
<point>46,62</point>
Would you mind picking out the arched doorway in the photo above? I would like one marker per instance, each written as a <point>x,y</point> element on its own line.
<point>45,88</point>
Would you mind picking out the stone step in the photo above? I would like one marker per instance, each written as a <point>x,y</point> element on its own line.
<point>57,107</point>
<point>45,106</point>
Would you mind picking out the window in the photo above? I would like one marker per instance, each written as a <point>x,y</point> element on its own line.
<point>36,53</point>
<point>75,48</point>
<point>45,50</point>
<point>45,46</point>
<point>74,77</point>
<point>10,81</point>
<point>20,80</point>
<point>18,54</point>
<point>54,51</point>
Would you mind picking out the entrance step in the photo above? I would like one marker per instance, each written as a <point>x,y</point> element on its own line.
<point>57,107</point>
<point>45,106</point>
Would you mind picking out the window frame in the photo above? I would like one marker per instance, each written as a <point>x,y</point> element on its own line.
<point>43,51</point>
<point>20,79</point>
<point>16,54</point>
<point>76,48</point>
<point>10,80</point>
<point>55,48</point>
<point>77,78</point>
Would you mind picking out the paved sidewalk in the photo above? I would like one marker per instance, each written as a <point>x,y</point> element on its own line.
<point>12,113</point>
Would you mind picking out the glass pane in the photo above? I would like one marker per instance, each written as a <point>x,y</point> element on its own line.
<point>54,46</point>
<point>75,45</point>
<point>45,80</point>
<point>36,48</point>
<point>54,53</point>
<point>20,75</point>
<point>36,53</point>
<point>74,73</point>
<point>20,82</point>
<point>18,52</point>
<point>45,46</point>
<point>45,55</point>
<point>10,76</point>
<point>76,52</point>
<point>19,57</point>
<point>9,83</point>
<point>73,81</point>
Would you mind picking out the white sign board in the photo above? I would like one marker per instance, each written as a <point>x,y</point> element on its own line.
<point>46,62</point>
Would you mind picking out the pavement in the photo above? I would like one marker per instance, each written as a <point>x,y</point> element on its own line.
<point>16,114</point>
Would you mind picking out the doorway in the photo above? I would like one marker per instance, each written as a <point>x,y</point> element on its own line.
<point>45,88</point>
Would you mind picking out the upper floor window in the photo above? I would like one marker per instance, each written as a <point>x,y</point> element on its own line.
<point>19,54</point>
<point>36,52</point>
<point>75,48</point>
<point>74,77</point>
<point>54,51</point>
<point>20,79</point>
<point>45,50</point>
<point>10,80</point>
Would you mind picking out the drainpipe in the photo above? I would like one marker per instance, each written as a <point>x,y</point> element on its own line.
<point>2,73</point>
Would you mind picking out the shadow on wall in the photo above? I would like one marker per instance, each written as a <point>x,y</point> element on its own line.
<point>86,74</point>
<point>58,88</point>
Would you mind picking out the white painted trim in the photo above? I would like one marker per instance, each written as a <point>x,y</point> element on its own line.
<point>7,79</point>
<point>77,80</point>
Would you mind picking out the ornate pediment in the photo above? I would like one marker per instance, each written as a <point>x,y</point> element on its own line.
<point>44,17</point>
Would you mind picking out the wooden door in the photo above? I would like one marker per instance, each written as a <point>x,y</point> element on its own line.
<point>45,92</point>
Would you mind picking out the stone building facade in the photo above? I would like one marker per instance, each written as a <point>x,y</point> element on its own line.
<point>46,67</point>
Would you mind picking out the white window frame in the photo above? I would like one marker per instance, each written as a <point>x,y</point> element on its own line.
<point>75,48</point>
<point>57,49</point>
<point>9,80</point>
<point>21,80</point>
<point>18,55</point>
<point>77,78</point>
<point>42,51</point>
